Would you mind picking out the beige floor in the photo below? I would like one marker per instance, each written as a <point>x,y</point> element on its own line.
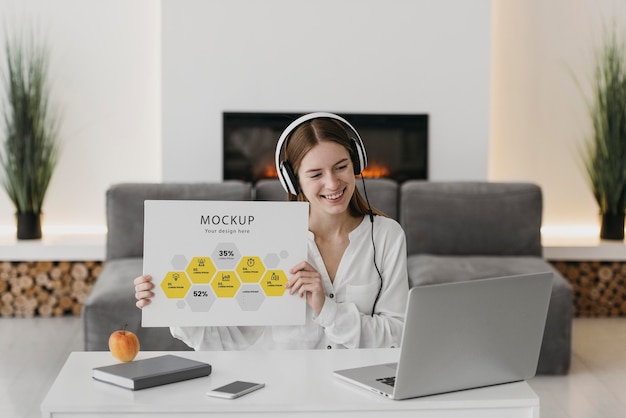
<point>32,351</point>
<point>596,384</point>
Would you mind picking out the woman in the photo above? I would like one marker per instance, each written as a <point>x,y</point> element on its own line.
<point>355,278</point>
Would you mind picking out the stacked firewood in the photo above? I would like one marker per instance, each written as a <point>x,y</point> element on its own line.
<point>45,288</point>
<point>599,287</point>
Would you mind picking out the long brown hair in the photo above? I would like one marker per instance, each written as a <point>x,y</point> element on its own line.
<point>308,135</point>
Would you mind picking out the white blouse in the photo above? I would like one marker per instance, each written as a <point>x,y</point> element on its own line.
<point>345,320</point>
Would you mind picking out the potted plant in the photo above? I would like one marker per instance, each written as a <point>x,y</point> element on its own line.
<point>29,153</point>
<point>604,153</point>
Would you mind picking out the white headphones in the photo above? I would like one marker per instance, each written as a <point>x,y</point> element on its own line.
<point>286,174</point>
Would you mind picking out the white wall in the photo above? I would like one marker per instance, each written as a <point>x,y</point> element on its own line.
<point>105,73</point>
<point>373,56</point>
<point>538,115</point>
<point>106,65</point>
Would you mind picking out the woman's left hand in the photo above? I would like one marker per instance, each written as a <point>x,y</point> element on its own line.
<point>307,282</point>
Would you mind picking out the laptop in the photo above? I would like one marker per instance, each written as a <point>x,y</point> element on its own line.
<point>464,335</point>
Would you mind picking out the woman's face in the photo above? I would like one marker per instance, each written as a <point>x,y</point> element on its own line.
<point>327,178</point>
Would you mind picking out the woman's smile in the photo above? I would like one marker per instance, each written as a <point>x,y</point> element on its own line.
<point>334,196</point>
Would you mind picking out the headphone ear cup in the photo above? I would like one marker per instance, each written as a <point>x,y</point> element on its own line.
<point>288,178</point>
<point>359,157</point>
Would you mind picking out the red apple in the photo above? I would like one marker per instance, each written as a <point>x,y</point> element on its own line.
<point>123,344</point>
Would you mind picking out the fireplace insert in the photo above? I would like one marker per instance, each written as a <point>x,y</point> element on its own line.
<point>396,144</point>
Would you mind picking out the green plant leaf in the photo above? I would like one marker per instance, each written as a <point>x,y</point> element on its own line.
<point>604,154</point>
<point>30,150</point>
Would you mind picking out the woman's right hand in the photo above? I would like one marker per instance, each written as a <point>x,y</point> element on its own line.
<point>143,290</point>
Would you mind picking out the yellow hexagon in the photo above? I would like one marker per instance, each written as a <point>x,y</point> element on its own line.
<point>273,283</point>
<point>201,269</point>
<point>225,284</point>
<point>250,269</point>
<point>175,284</point>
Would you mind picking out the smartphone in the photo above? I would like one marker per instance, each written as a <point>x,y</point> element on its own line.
<point>235,389</point>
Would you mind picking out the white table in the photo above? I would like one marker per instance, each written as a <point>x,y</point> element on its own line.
<point>298,383</point>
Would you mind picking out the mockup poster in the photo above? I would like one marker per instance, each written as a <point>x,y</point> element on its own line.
<point>217,263</point>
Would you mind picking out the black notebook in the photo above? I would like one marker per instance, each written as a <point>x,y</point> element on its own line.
<point>155,371</point>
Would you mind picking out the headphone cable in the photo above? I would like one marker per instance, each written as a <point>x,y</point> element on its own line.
<point>371,215</point>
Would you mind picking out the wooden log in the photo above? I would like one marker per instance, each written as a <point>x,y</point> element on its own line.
<point>605,273</point>
<point>79,271</point>
<point>22,268</point>
<point>7,298</point>
<point>43,298</point>
<point>44,266</point>
<point>65,303</point>
<point>6,266</point>
<point>572,273</point>
<point>585,280</point>
<point>7,310</point>
<point>45,310</point>
<point>55,273</point>
<point>594,294</point>
<point>585,268</point>
<point>77,309</point>
<point>26,281</point>
<point>19,302</point>
<point>29,292</point>
<point>95,271</point>
<point>42,279</point>
<point>55,285</point>
<point>64,266</point>
<point>16,289</point>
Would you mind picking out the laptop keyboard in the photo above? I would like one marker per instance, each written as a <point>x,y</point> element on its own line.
<point>391,381</point>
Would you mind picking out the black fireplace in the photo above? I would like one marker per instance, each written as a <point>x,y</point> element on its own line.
<point>396,144</point>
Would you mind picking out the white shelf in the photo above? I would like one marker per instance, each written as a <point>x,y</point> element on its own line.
<point>54,247</point>
<point>584,248</point>
<point>91,247</point>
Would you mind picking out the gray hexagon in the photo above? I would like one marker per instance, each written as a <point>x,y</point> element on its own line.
<point>181,304</point>
<point>250,297</point>
<point>200,298</point>
<point>226,256</point>
<point>179,262</point>
<point>271,261</point>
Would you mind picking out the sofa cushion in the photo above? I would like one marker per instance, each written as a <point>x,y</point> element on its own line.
<point>270,190</point>
<point>471,218</point>
<point>382,195</point>
<point>554,357</point>
<point>432,269</point>
<point>124,207</point>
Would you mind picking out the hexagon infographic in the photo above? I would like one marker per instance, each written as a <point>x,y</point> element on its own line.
<point>223,263</point>
<point>250,297</point>
<point>226,255</point>
<point>273,282</point>
<point>201,270</point>
<point>175,284</point>
<point>200,298</point>
<point>250,269</point>
<point>225,284</point>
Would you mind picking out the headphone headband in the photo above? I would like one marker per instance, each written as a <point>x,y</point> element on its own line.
<point>284,169</point>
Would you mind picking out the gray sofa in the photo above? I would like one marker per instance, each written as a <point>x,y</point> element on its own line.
<point>455,231</point>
